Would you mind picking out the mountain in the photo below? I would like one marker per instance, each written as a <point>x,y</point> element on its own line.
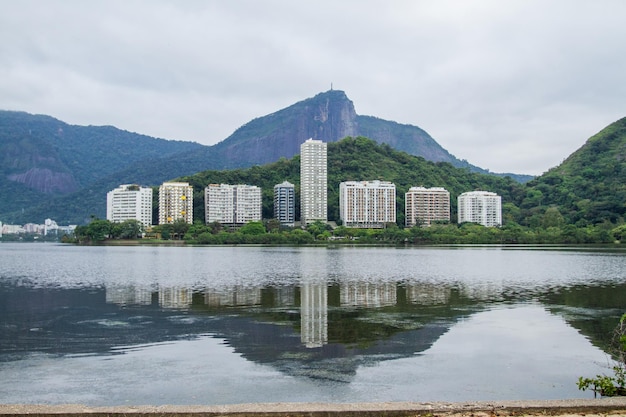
<point>43,158</point>
<point>85,153</point>
<point>589,186</point>
<point>53,169</point>
<point>330,117</point>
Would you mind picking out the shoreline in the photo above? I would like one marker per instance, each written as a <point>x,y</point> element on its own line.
<point>614,406</point>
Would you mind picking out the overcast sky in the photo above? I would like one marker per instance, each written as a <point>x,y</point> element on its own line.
<point>511,86</point>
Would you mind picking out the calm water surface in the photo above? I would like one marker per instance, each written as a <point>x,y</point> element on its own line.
<point>221,325</point>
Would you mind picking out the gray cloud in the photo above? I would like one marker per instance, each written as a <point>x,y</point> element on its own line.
<point>510,86</point>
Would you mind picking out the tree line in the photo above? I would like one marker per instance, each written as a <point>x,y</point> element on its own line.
<point>271,232</point>
<point>570,204</point>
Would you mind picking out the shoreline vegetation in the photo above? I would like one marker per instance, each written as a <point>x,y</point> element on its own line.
<point>272,233</point>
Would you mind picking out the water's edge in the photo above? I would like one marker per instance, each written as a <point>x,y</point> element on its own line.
<point>584,407</point>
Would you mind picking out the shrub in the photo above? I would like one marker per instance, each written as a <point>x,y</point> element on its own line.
<point>609,386</point>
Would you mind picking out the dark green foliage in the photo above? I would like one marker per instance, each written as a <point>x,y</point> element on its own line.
<point>605,385</point>
<point>589,187</point>
<point>526,217</point>
<point>96,231</point>
<point>356,159</point>
<point>129,229</point>
<point>100,230</point>
<point>582,200</point>
<point>83,163</point>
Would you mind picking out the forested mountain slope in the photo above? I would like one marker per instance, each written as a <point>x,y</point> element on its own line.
<point>42,158</point>
<point>358,159</point>
<point>589,187</point>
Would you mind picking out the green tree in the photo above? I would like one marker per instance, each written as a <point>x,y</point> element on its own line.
<point>179,228</point>
<point>128,229</point>
<point>552,218</point>
<point>96,231</point>
<point>317,229</point>
<point>606,385</point>
<point>619,233</point>
<point>272,226</point>
<point>252,228</point>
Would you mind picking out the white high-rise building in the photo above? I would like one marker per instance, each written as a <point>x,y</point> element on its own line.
<point>128,202</point>
<point>232,204</point>
<point>175,202</point>
<point>424,206</point>
<point>285,203</point>
<point>482,207</point>
<point>313,182</point>
<point>367,204</point>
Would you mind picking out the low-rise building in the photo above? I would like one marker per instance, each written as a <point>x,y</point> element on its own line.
<point>367,204</point>
<point>232,204</point>
<point>285,203</point>
<point>482,207</point>
<point>130,202</point>
<point>423,206</point>
<point>175,202</point>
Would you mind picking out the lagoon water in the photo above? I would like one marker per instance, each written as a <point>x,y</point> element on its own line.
<point>222,325</point>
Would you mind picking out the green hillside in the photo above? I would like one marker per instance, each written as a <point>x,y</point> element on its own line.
<point>589,187</point>
<point>49,168</point>
<point>358,159</point>
<point>362,159</point>
<point>88,152</point>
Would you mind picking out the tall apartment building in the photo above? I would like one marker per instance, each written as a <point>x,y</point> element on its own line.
<point>285,203</point>
<point>367,204</point>
<point>130,202</point>
<point>423,206</point>
<point>232,204</point>
<point>482,207</point>
<point>175,202</point>
<point>313,181</point>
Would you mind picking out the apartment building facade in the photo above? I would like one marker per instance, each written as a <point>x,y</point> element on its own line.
<point>423,206</point>
<point>285,203</point>
<point>482,207</point>
<point>175,202</point>
<point>130,202</point>
<point>313,181</point>
<point>232,204</point>
<point>367,204</point>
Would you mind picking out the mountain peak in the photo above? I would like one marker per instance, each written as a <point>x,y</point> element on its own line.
<point>328,116</point>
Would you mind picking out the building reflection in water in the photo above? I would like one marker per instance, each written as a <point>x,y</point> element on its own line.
<point>313,296</point>
<point>365,294</point>
<point>128,295</point>
<point>175,297</point>
<point>427,294</point>
<point>313,301</point>
<point>232,297</point>
<point>284,296</point>
<point>314,314</point>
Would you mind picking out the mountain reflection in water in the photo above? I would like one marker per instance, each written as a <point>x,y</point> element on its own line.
<point>322,319</point>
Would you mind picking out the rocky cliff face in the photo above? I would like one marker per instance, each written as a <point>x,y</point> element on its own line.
<point>35,163</point>
<point>46,181</point>
<point>328,116</point>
